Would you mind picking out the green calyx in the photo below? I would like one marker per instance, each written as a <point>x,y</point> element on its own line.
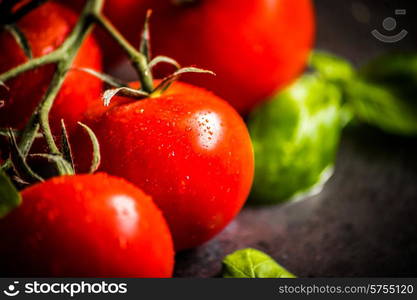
<point>143,63</point>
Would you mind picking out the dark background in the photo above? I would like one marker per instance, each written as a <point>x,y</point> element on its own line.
<point>364,223</point>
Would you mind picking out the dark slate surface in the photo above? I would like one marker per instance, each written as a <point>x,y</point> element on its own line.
<point>364,223</point>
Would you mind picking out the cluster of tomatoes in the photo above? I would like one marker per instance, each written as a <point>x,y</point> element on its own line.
<point>177,167</point>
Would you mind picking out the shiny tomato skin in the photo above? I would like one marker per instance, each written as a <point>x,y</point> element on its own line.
<point>46,28</point>
<point>254,46</point>
<point>188,149</point>
<point>85,226</point>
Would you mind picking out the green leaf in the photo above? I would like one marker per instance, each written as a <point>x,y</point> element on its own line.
<point>20,39</point>
<point>338,71</point>
<point>332,67</point>
<point>386,108</point>
<point>9,196</point>
<point>252,263</point>
<point>392,69</point>
<point>384,94</point>
<point>295,138</point>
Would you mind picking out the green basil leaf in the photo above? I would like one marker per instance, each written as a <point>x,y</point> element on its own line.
<point>338,71</point>
<point>252,263</point>
<point>385,94</point>
<point>332,67</point>
<point>295,138</point>
<point>392,69</point>
<point>9,196</point>
<point>387,108</point>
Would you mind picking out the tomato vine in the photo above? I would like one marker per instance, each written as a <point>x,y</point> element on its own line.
<point>63,58</point>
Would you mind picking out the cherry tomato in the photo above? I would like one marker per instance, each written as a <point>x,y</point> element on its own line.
<point>254,46</point>
<point>85,226</point>
<point>46,28</point>
<point>187,148</point>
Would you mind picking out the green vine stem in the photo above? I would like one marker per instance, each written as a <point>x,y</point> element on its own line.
<point>139,61</point>
<point>63,57</point>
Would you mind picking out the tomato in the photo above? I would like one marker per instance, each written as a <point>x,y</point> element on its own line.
<point>187,148</point>
<point>46,28</point>
<point>254,46</point>
<point>85,226</point>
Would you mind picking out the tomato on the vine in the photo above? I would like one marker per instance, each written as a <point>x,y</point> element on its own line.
<point>254,46</point>
<point>45,29</point>
<point>82,226</point>
<point>187,148</point>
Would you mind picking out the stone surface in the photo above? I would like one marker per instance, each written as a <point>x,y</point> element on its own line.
<point>364,223</point>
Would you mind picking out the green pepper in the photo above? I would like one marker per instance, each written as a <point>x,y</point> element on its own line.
<point>295,138</point>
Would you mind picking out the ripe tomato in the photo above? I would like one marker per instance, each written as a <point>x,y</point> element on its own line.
<point>91,225</point>
<point>254,46</point>
<point>188,149</point>
<point>46,28</point>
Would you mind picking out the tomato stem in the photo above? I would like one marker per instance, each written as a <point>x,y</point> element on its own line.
<point>139,61</point>
<point>63,57</point>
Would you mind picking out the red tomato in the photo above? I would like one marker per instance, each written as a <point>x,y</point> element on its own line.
<point>188,149</point>
<point>46,29</point>
<point>254,46</point>
<point>85,226</point>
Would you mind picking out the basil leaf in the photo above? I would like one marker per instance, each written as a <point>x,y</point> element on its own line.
<point>332,67</point>
<point>388,108</point>
<point>252,263</point>
<point>392,69</point>
<point>384,95</point>
<point>9,196</point>
<point>295,138</point>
